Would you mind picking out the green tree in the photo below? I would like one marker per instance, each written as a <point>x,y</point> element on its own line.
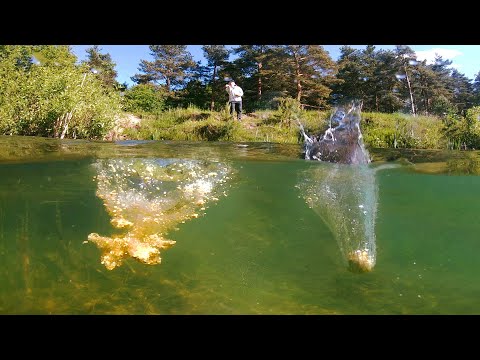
<point>217,56</point>
<point>440,86</point>
<point>144,98</point>
<point>253,60</point>
<point>407,61</point>
<point>368,75</point>
<point>476,89</point>
<point>427,88</point>
<point>442,69</point>
<point>462,90</point>
<point>306,72</point>
<point>388,88</point>
<point>103,66</point>
<point>196,93</point>
<point>54,55</point>
<point>352,75</point>
<point>370,63</point>
<point>172,66</point>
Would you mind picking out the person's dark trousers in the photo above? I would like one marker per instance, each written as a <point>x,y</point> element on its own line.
<point>236,106</point>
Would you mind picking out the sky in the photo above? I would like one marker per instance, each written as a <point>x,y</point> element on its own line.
<point>465,58</point>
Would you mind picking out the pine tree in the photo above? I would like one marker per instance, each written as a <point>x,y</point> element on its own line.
<point>217,56</point>
<point>306,72</point>
<point>172,66</point>
<point>462,90</point>
<point>476,90</point>
<point>103,66</point>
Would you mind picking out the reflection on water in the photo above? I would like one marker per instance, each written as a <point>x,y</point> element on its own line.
<point>149,197</point>
<point>263,249</point>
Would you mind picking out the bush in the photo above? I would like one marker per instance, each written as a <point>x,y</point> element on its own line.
<point>289,109</point>
<point>55,98</point>
<point>402,131</point>
<point>472,119</point>
<point>144,98</point>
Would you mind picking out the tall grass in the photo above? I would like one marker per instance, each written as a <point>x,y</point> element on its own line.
<point>379,130</point>
<point>402,131</point>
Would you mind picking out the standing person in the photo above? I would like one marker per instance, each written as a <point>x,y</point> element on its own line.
<point>235,94</point>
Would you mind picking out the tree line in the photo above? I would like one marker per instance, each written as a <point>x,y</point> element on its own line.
<point>45,91</point>
<point>386,80</point>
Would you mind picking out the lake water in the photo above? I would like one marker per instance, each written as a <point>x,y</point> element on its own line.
<point>225,228</point>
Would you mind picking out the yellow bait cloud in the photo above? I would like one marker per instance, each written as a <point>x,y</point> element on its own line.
<point>146,198</point>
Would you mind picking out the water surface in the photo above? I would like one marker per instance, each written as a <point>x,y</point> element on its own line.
<point>249,244</point>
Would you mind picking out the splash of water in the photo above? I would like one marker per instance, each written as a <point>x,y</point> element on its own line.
<point>343,194</point>
<point>345,197</point>
<point>342,142</point>
<point>147,198</point>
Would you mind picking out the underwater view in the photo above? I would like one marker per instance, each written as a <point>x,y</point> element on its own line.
<point>192,228</point>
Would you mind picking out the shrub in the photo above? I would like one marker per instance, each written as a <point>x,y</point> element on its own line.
<point>144,98</point>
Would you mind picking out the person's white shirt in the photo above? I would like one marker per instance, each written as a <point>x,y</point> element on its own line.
<point>235,92</point>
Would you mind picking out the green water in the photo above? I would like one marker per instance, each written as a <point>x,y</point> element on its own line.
<point>258,250</point>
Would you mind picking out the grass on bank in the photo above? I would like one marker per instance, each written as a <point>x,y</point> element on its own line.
<point>203,125</point>
<point>280,126</point>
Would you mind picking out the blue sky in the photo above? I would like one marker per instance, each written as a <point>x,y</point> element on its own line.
<point>465,58</point>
